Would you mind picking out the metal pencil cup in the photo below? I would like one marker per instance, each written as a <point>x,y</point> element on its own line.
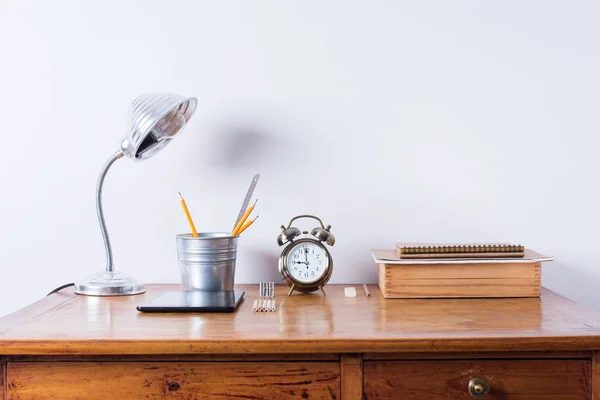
<point>207,262</point>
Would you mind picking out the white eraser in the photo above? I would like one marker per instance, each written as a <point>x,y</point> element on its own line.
<point>350,292</point>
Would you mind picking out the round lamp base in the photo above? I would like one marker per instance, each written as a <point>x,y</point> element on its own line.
<point>109,284</point>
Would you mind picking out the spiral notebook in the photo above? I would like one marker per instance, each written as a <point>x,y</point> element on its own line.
<point>460,250</point>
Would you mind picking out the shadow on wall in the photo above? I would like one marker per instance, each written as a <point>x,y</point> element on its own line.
<point>241,146</point>
<point>265,267</point>
<point>579,287</point>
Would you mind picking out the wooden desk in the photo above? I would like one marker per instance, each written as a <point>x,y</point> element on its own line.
<point>74,347</point>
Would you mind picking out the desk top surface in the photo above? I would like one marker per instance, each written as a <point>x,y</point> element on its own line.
<point>65,323</point>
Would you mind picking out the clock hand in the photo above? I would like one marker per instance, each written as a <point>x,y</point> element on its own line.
<point>306,255</point>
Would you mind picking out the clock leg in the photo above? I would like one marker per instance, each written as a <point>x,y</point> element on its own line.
<point>292,289</point>
<point>322,291</point>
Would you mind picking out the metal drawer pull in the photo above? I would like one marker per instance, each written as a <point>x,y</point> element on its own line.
<point>478,388</point>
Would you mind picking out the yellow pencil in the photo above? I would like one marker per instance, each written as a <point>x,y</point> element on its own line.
<point>246,225</point>
<point>244,218</point>
<point>189,217</point>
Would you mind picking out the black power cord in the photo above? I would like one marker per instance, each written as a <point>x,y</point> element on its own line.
<point>61,288</point>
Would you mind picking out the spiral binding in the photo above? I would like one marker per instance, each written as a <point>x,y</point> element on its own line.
<point>463,248</point>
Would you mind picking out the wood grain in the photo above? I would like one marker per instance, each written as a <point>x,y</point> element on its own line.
<point>596,375</point>
<point>586,355</point>
<point>182,357</point>
<point>352,376</point>
<point>259,380</point>
<point>460,288</point>
<point>68,324</point>
<point>2,378</point>
<point>508,379</point>
<point>453,271</point>
<point>466,280</point>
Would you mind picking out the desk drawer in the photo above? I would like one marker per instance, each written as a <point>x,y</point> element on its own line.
<point>506,379</point>
<point>176,380</point>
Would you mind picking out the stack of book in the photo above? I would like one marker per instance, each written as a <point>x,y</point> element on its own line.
<point>421,270</point>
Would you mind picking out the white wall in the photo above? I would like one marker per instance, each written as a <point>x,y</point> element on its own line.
<point>419,121</point>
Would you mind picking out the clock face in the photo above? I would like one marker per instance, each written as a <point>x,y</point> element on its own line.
<point>307,262</point>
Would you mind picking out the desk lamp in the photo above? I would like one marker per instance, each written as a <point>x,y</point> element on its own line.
<point>156,118</point>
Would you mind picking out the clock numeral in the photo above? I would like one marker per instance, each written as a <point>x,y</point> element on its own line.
<point>317,256</point>
<point>319,262</point>
<point>306,275</point>
<point>295,268</point>
<point>296,256</point>
<point>313,251</point>
<point>312,273</point>
<point>317,268</point>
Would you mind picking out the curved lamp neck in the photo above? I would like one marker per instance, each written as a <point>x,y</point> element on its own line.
<point>100,212</point>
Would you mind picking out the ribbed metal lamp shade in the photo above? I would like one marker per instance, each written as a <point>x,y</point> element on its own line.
<point>156,118</point>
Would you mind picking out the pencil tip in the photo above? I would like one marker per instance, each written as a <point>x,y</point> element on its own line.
<point>180,194</point>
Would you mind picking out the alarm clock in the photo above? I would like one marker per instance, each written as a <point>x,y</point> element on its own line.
<point>305,263</point>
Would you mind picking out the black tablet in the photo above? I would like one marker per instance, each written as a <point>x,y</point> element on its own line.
<point>193,301</point>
